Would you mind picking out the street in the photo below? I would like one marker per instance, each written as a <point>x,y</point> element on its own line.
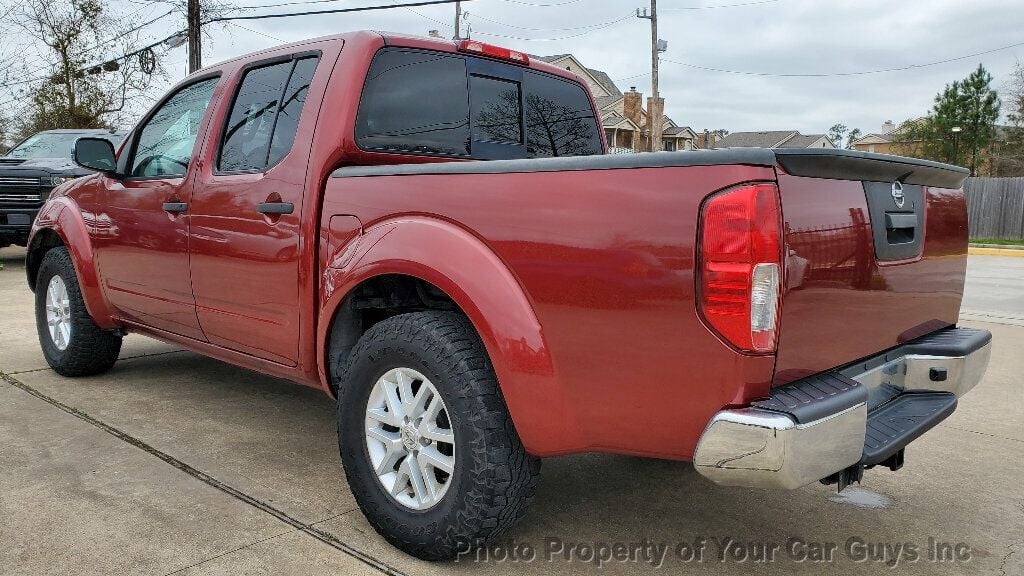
<point>995,290</point>
<point>172,463</point>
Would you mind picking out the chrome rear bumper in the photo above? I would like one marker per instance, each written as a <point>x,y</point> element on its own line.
<point>814,428</point>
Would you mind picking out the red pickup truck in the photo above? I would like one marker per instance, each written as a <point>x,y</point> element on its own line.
<point>777,317</point>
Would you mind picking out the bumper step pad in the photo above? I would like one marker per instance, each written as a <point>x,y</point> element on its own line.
<point>902,420</point>
<point>815,397</point>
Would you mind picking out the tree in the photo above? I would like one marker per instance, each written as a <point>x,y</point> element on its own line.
<point>836,133</point>
<point>961,125</point>
<point>84,83</point>
<point>852,137</point>
<point>1008,152</point>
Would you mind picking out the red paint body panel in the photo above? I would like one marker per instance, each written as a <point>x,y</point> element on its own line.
<point>605,260</point>
<point>840,304</point>
<point>580,283</point>
<point>246,265</point>
<point>63,215</point>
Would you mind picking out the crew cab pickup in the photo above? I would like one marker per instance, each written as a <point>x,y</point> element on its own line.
<point>319,212</point>
<point>30,170</point>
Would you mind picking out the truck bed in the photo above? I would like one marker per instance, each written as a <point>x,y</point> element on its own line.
<point>604,247</point>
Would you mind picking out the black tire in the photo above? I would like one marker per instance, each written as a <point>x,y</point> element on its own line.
<point>494,478</point>
<point>90,349</point>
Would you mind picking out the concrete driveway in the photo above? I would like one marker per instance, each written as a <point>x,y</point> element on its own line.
<point>177,464</point>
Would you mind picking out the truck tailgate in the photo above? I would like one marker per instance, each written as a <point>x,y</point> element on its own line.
<point>876,254</point>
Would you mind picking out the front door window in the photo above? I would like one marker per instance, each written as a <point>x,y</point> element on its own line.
<point>165,143</point>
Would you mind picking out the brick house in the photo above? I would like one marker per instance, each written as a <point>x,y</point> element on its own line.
<point>624,115</point>
<point>881,142</point>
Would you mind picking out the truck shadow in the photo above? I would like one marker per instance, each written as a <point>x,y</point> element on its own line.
<point>275,442</point>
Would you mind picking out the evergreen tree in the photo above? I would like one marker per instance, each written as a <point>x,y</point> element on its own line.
<point>960,126</point>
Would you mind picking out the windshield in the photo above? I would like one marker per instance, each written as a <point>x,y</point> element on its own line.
<point>52,145</point>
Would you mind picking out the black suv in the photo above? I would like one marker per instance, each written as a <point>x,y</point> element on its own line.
<point>30,170</point>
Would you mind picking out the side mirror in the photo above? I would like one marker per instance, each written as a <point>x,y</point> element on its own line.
<point>95,154</point>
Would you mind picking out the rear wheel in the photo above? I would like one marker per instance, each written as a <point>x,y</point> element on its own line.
<point>71,342</point>
<point>427,443</point>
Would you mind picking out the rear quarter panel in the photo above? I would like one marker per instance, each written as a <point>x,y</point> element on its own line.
<point>605,258</point>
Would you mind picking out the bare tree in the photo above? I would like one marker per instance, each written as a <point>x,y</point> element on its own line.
<point>8,56</point>
<point>551,129</point>
<point>83,81</point>
<point>1008,148</point>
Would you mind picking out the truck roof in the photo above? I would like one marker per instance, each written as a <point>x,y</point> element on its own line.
<point>363,37</point>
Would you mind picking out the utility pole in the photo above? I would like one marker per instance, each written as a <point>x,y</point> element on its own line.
<point>458,20</point>
<point>195,49</point>
<point>656,106</point>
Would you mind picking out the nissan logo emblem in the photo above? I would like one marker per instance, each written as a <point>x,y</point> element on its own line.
<point>897,194</point>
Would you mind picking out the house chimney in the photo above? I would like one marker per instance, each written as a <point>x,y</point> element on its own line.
<point>888,127</point>
<point>631,107</point>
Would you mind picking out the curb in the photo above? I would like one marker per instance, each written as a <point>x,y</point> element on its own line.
<point>985,251</point>
<point>996,246</point>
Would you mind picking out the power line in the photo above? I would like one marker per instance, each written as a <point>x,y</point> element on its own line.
<point>596,27</point>
<point>558,38</point>
<point>130,30</point>
<point>840,74</point>
<point>334,11</point>
<point>571,29</point>
<point>633,77</point>
<point>294,3</point>
<point>738,5</point>
<point>98,45</point>
<point>254,31</point>
<point>541,5</point>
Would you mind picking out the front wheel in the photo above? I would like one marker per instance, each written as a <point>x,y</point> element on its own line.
<point>427,443</point>
<point>72,343</point>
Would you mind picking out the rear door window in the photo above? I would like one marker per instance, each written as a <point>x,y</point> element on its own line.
<point>419,102</point>
<point>265,114</point>
<point>291,108</point>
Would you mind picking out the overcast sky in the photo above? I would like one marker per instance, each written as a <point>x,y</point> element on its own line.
<point>762,36</point>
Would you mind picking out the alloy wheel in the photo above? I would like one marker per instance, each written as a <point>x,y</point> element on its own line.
<point>409,439</point>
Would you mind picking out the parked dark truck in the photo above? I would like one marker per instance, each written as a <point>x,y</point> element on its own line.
<point>30,170</point>
<point>777,317</point>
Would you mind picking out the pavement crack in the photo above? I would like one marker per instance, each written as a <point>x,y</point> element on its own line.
<point>1012,547</point>
<point>243,547</point>
<point>981,433</point>
<point>298,525</point>
<point>335,517</point>
<point>135,357</point>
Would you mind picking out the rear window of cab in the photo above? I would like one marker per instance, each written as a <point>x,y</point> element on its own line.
<point>419,102</point>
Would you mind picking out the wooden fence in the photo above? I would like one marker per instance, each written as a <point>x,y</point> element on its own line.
<point>995,207</point>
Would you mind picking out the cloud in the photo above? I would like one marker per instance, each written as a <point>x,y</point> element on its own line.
<point>782,36</point>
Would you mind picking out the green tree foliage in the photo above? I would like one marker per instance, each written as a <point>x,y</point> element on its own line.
<point>961,125</point>
<point>836,133</point>
<point>852,137</point>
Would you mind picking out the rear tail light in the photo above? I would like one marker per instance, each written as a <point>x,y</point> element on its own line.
<point>741,267</point>
<point>474,47</point>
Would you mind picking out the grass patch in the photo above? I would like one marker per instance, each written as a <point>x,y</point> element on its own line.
<point>997,241</point>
